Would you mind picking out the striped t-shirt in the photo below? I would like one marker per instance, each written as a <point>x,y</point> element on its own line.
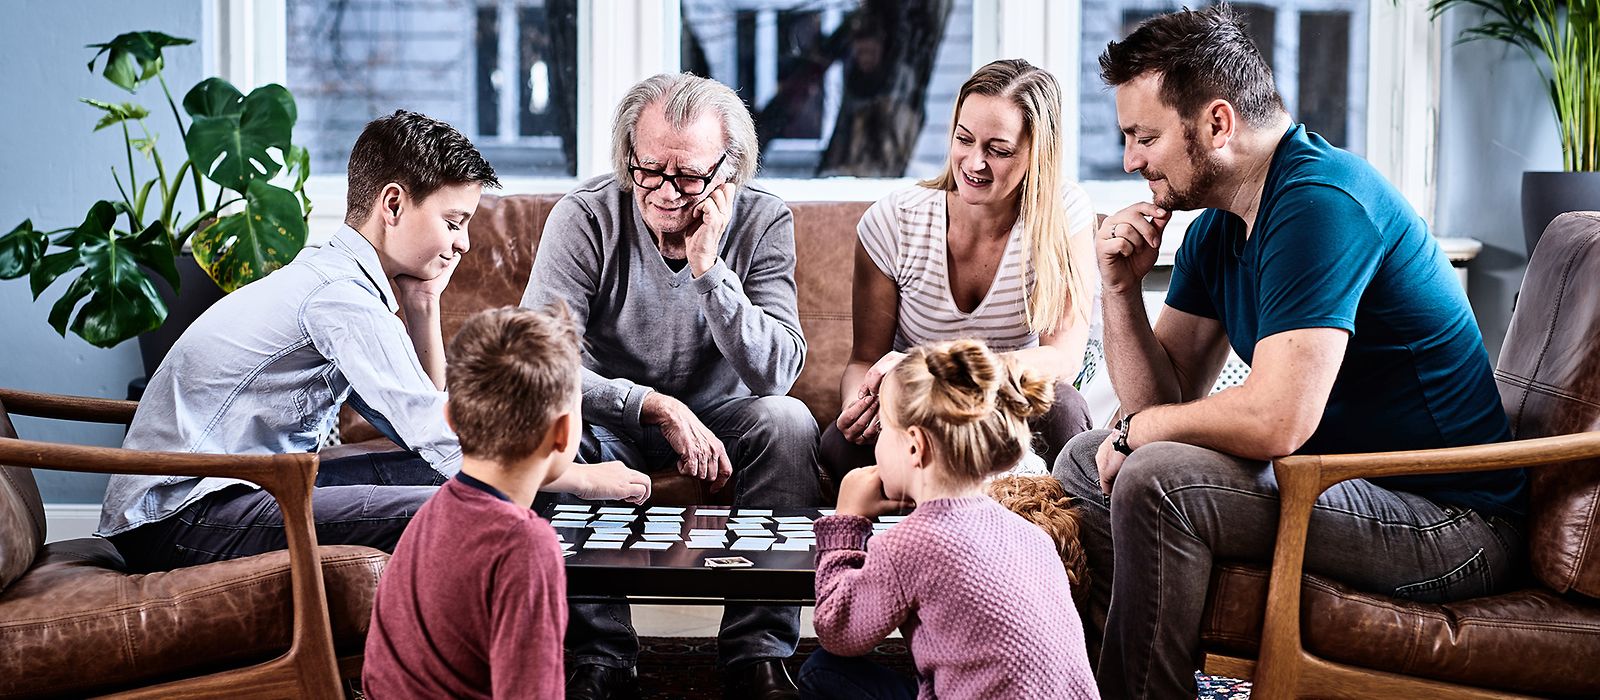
<point>904,234</point>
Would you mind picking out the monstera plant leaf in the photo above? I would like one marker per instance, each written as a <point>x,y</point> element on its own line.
<point>135,57</point>
<point>244,247</point>
<point>20,249</point>
<point>121,300</point>
<point>232,134</point>
<point>115,113</point>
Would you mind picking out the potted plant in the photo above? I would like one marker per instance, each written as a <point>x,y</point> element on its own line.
<point>1562,37</point>
<point>240,227</point>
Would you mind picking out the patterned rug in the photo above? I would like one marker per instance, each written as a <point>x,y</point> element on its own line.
<point>676,668</point>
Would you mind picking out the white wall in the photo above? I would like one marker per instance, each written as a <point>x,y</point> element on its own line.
<point>54,166</point>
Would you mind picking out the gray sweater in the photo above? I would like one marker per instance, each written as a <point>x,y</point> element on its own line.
<point>732,332</point>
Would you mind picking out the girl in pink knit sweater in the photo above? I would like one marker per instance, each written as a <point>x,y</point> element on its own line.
<point>978,592</point>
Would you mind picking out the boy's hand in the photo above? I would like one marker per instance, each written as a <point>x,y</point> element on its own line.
<point>861,493</point>
<point>418,292</point>
<point>1127,245</point>
<point>700,453</point>
<point>701,243</point>
<point>610,481</point>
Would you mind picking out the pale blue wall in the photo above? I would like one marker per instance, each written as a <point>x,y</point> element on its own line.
<point>1495,123</point>
<point>52,167</point>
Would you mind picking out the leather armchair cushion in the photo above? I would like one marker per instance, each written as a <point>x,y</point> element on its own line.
<point>76,611</point>
<point>1532,640</point>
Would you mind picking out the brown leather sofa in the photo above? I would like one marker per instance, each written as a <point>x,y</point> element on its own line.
<point>505,235</point>
<point>74,623</point>
<point>1318,637</point>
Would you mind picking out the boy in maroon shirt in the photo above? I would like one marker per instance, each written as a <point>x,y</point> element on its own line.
<point>473,603</point>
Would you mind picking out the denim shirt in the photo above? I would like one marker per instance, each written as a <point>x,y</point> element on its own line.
<point>265,369</point>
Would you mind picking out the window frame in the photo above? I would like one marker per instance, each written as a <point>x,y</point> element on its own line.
<point>639,40</point>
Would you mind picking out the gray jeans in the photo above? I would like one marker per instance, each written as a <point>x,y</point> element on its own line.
<point>772,443</point>
<point>1176,508</point>
<point>363,499</point>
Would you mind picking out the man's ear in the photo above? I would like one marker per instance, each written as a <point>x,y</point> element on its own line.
<point>1219,123</point>
<point>392,201</point>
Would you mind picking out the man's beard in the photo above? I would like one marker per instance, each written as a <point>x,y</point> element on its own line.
<point>1205,173</point>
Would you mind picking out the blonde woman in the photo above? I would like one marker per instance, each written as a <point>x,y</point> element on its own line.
<point>997,248</point>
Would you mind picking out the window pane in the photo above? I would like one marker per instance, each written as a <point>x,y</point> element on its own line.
<point>1317,50</point>
<point>838,87</point>
<point>503,72</point>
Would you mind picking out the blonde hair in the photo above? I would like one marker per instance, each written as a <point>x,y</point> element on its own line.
<point>683,97</point>
<point>511,371</point>
<point>1043,501</point>
<point>973,403</point>
<point>1044,220</point>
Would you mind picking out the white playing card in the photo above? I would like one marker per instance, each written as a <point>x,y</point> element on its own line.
<point>756,544</point>
<point>613,510</point>
<point>697,532</point>
<point>617,518</point>
<point>665,510</point>
<point>749,519</point>
<point>755,511</point>
<point>663,527</point>
<point>661,537</point>
<point>569,515</point>
<point>705,544</point>
<point>651,545</point>
<point>664,518</point>
<point>607,535</point>
<point>568,523</point>
<point>793,519</point>
<point>788,527</point>
<point>603,544</point>
<point>573,507</point>
<point>712,512</point>
<point>792,546</point>
<point>826,511</point>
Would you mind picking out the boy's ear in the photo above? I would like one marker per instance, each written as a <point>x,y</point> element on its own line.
<point>391,202</point>
<point>560,432</point>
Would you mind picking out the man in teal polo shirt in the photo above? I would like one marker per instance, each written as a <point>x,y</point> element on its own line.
<point>1317,273</point>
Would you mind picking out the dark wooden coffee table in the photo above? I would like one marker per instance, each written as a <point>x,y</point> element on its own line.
<point>677,574</point>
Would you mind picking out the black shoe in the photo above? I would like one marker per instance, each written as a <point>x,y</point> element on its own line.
<point>596,682</point>
<point>766,679</point>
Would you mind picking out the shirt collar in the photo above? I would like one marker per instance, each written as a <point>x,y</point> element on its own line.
<point>468,480</point>
<point>350,242</point>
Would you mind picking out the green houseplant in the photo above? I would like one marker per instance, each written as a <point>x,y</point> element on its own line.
<point>1562,37</point>
<point>241,227</point>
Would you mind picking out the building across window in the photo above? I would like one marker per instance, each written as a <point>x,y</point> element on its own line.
<point>504,72</point>
<point>1317,50</point>
<point>861,88</point>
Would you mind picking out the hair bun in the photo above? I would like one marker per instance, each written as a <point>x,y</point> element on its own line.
<point>968,375</point>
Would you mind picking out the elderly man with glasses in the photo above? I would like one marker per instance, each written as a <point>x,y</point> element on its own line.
<point>681,277</point>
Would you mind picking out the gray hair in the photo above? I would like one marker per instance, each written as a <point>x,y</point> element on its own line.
<point>684,96</point>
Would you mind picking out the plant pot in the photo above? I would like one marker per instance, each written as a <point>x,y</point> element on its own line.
<point>199,293</point>
<point>1548,195</point>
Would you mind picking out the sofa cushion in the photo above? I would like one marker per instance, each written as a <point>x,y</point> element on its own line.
<point>504,234</point>
<point>825,248</point>
<point>1549,378</point>
<point>1533,640</point>
<point>75,610</point>
<point>21,515</point>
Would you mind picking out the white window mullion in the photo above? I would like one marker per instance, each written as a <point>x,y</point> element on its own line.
<point>626,43</point>
<point>507,60</point>
<point>1403,102</point>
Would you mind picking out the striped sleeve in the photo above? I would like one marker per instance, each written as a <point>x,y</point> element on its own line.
<point>878,233</point>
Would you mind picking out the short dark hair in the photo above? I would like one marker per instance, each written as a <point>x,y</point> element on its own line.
<point>1199,55</point>
<point>511,371</point>
<point>419,152</point>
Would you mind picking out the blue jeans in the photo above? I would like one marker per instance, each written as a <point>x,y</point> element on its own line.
<point>1174,509</point>
<point>825,676</point>
<point>772,443</point>
<point>362,499</point>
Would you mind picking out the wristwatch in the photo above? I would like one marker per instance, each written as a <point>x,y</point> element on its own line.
<point>1120,444</point>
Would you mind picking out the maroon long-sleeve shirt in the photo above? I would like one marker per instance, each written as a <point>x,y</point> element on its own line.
<point>978,592</point>
<point>473,603</point>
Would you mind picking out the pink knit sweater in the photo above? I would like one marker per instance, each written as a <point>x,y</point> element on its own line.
<point>978,592</point>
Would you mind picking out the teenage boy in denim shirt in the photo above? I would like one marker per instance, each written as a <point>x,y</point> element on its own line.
<point>267,367</point>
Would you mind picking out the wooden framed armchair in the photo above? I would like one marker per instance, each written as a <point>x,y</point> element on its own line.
<point>1319,638</point>
<point>73,622</point>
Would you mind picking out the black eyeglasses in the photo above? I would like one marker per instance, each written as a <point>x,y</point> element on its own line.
<point>686,185</point>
